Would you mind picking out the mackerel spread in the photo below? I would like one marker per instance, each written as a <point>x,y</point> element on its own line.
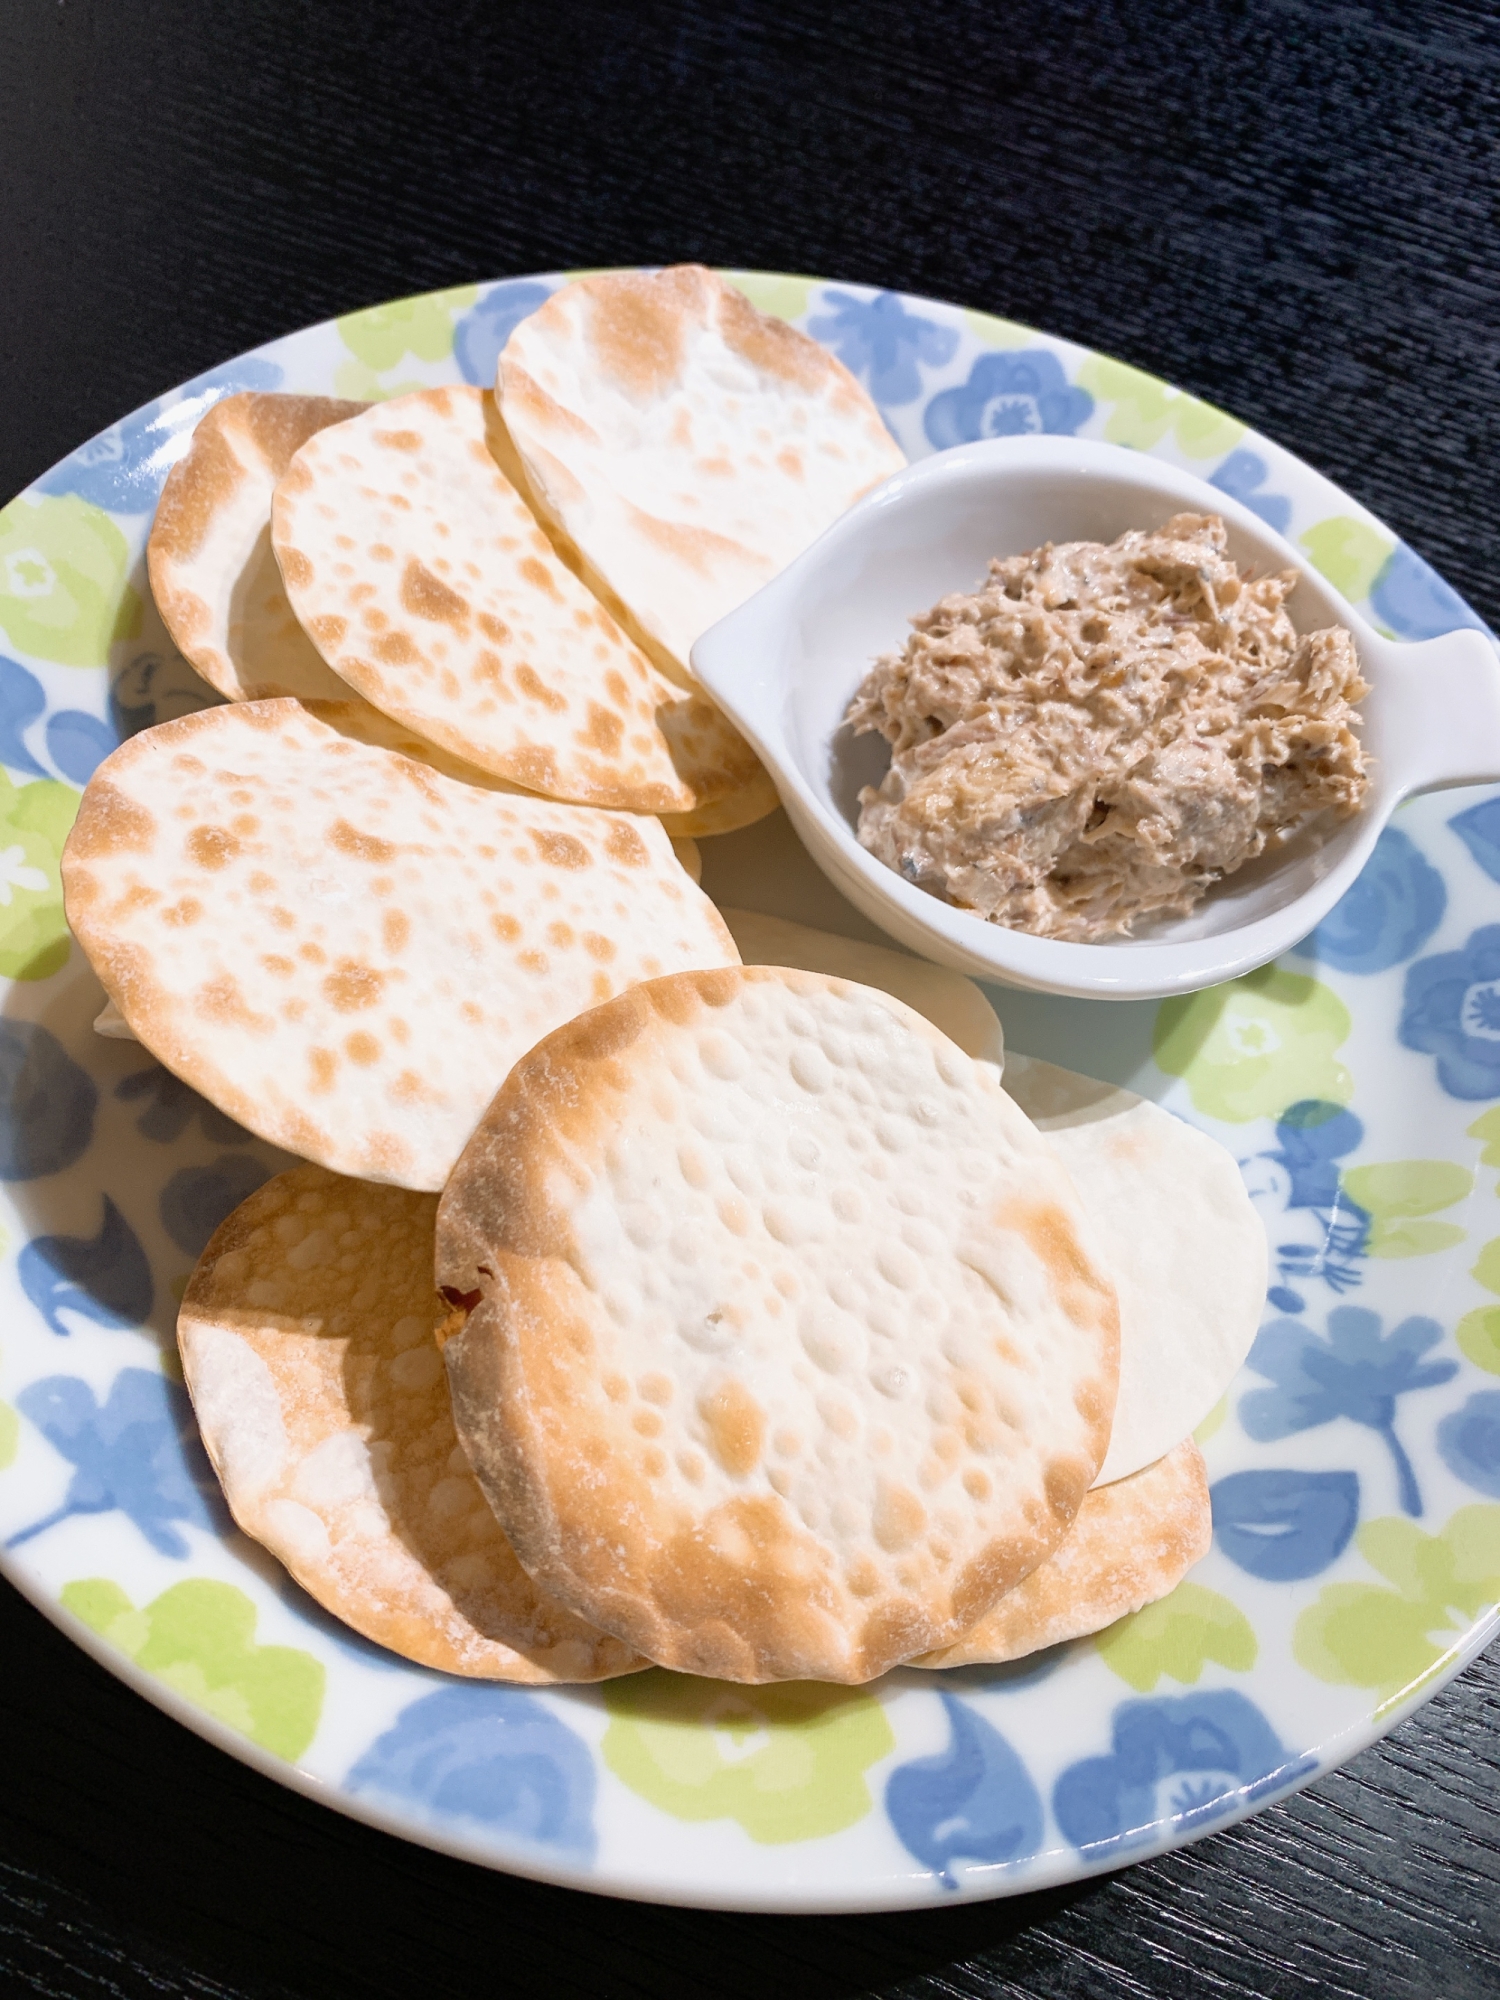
<point>1100,733</point>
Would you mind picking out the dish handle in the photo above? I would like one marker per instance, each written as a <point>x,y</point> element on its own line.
<point>1441,701</point>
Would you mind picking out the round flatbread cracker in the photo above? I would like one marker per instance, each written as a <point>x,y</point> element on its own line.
<point>777,1344</point>
<point>423,578</point>
<point>687,445</point>
<point>1133,1541</point>
<point>1172,1219</point>
<point>1179,1235</point>
<point>306,1340</point>
<point>345,946</point>
<point>209,557</point>
<point>952,1003</point>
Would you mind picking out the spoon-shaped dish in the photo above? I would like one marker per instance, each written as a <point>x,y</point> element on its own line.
<point>785,664</point>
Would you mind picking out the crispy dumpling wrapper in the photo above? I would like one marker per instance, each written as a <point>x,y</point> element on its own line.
<point>345,944</point>
<point>307,1347</point>
<point>778,1345</point>
<point>213,572</point>
<point>421,575</point>
<point>686,444</point>
<point>1131,1543</point>
<point>1171,1216</point>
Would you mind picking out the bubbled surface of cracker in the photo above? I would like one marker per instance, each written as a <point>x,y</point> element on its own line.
<point>783,1352</point>
<point>426,583</point>
<point>306,1340</point>
<point>1133,1541</point>
<point>950,1002</point>
<point>213,572</point>
<point>345,947</point>
<point>688,445</point>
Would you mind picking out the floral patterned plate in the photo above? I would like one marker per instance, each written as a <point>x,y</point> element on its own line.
<point>1355,1464</point>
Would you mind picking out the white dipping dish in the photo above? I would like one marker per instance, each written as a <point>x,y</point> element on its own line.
<point>787,662</point>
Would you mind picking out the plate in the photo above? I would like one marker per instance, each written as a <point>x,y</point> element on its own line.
<point>1355,1464</point>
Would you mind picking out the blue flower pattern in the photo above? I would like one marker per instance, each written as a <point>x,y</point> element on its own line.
<point>47,1103</point>
<point>1217,1745</point>
<point>171,1106</point>
<point>884,343</point>
<point>1412,600</point>
<point>124,468</point>
<point>493,1757</point>
<point>973,1801</point>
<point>499,1760</point>
<point>1356,1372</point>
<point>76,742</point>
<point>139,1455</point>
<point>481,332</point>
<point>1009,394</point>
<point>1241,476</point>
<point>197,1199</point>
<point>1390,912</point>
<point>1451,1010</point>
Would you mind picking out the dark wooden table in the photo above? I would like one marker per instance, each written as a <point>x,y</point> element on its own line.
<point>1288,208</point>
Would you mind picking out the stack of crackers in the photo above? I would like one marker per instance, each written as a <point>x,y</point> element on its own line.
<point>664,1284</point>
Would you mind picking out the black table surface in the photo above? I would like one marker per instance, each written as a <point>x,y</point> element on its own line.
<point>1289,209</point>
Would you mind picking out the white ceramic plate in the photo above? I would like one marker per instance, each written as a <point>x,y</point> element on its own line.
<point>1355,1464</point>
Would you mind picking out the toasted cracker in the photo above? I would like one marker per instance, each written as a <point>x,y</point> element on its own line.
<point>749,802</point>
<point>344,946</point>
<point>306,1340</point>
<point>1132,1542</point>
<point>1179,1234</point>
<point>209,557</point>
<point>687,445</point>
<point>424,580</point>
<point>778,1347</point>
<point>953,1004</point>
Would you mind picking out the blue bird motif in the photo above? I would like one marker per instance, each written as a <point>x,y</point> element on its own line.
<point>1356,1372</point>
<point>138,1454</point>
<point>78,743</point>
<point>1317,1233</point>
<point>974,1801</point>
<point>124,468</point>
<point>106,1277</point>
<point>1412,600</point>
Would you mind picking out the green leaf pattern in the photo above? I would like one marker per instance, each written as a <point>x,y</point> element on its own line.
<point>63,589</point>
<point>1178,1636</point>
<point>787,1761</point>
<point>199,1638</point>
<point>1393,1639</point>
<point>1252,1047</point>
